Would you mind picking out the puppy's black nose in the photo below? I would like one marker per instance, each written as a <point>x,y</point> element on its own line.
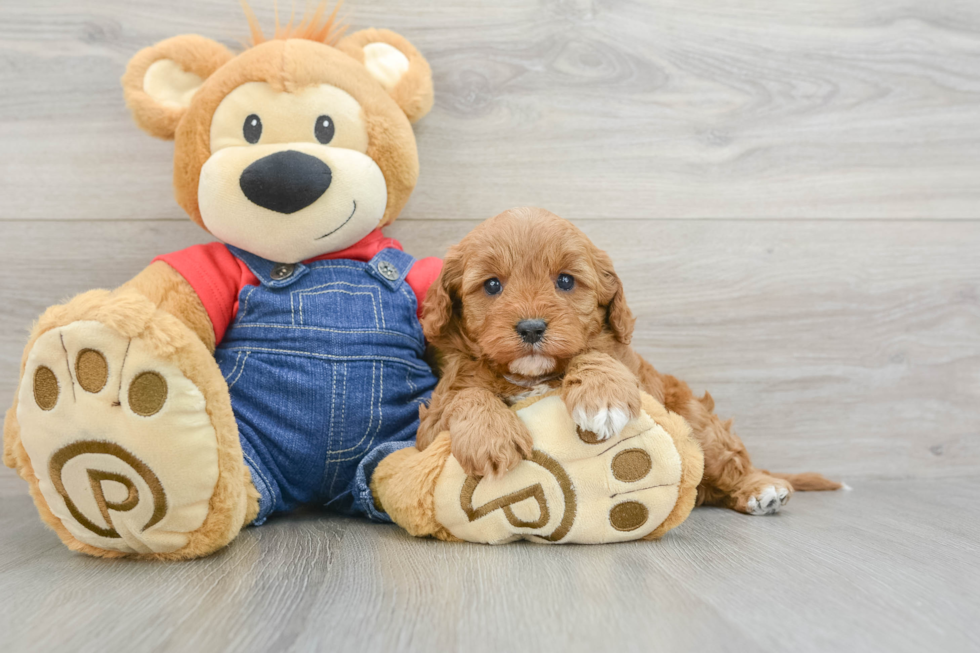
<point>531,331</point>
<point>285,182</point>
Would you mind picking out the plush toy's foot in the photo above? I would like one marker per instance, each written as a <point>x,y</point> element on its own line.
<point>124,429</point>
<point>637,484</point>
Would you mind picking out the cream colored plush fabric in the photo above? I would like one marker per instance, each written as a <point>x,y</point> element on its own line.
<point>386,64</point>
<point>573,490</point>
<point>170,85</point>
<point>115,483</point>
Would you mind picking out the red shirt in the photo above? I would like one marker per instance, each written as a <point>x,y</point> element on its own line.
<point>218,276</point>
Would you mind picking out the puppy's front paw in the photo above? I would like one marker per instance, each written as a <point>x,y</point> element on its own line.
<point>489,447</point>
<point>604,422</point>
<point>602,401</point>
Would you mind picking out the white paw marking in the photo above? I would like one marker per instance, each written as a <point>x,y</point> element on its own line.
<point>769,500</point>
<point>605,422</point>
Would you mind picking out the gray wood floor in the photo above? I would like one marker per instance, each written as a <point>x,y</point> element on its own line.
<point>891,566</point>
<point>791,192</point>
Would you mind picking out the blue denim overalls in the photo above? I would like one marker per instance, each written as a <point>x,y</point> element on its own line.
<point>324,363</point>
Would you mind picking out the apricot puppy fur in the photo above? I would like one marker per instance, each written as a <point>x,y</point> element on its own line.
<point>526,304</point>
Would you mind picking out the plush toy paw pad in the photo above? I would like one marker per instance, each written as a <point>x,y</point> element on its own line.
<point>768,501</point>
<point>121,441</point>
<point>575,487</point>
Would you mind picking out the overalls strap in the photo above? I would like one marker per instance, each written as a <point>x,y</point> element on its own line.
<point>270,273</point>
<point>390,266</point>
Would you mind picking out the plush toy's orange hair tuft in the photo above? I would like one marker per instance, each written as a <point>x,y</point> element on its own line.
<point>319,26</point>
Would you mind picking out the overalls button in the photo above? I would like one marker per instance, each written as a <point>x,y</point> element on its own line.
<point>387,270</point>
<point>282,271</point>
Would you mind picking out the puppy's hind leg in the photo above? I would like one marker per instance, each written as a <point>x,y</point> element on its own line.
<point>730,480</point>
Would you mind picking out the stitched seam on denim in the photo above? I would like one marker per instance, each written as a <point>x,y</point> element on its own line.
<point>416,325</point>
<point>343,412</point>
<point>388,359</point>
<point>343,404</point>
<point>374,298</point>
<point>380,419</point>
<point>264,479</point>
<point>330,436</point>
<point>262,325</point>
<point>343,420</point>
<point>336,283</point>
<point>244,309</point>
<point>233,367</point>
<point>318,265</point>
<point>370,413</point>
<point>244,360</point>
<point>307,291</point>
<point>346,292</point>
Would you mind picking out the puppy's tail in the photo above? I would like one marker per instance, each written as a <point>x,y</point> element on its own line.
<point>808,481</point>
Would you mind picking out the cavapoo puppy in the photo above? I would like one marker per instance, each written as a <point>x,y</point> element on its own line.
<point>526,304</point>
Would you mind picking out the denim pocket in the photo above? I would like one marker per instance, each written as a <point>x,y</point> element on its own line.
<point>340,305</point>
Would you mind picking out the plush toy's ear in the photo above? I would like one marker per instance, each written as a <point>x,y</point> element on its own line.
<point>619,318</point>
<point>161,80</point>
<point>396,65</point>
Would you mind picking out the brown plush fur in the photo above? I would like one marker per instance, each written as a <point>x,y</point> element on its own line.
<point>171,293</point>
<point>585,352</point>
<point>287,65</point>
<point>193,53</point>
<point>132,315</point>
<point>413,92</point>
<point>404,486</point>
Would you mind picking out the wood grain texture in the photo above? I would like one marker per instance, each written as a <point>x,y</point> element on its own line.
<point>789,191</point>
<point>891,566</point>
<point>638,109</point>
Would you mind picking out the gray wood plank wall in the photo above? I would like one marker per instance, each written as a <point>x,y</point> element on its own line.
<point>791,190</point>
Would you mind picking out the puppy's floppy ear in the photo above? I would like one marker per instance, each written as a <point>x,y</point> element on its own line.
<point>161,80</point>
<point>619,318</point>
<point>441,310</point>
<point>395,63</point>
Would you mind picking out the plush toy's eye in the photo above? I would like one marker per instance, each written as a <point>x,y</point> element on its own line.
<point>492,286</point>
<point>565,281</point>
<point>252,129</point>
<point>324,129</point>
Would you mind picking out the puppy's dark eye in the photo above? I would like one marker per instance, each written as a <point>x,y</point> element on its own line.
<point>324,129</point>
<point>492,286</point>
<point>565,281</point>
<point>252,129</point>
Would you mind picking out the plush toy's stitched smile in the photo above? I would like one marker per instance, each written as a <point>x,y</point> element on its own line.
<point>342,224</point>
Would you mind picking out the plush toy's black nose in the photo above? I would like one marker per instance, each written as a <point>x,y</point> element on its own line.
<point>285,182</point>
<point>531,331</point>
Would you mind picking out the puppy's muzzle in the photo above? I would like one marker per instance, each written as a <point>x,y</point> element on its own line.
<point>285,182</point>
<point>531,331</point>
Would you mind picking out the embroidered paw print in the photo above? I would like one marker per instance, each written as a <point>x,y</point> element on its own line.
<point>574,488</point>
<point>120,440</point>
